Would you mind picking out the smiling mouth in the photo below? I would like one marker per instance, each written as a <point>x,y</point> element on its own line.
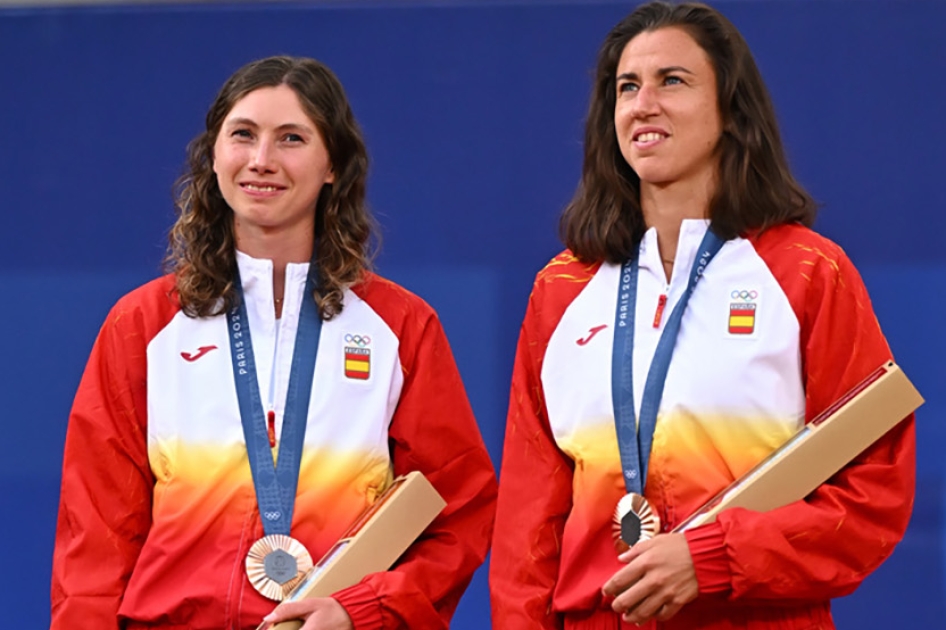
<point>256,188</point>
<point>650,136</point>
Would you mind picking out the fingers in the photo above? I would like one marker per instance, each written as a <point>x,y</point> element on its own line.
<point>668,610</point>
<point>324,613</point>
<point>633,552</point>
<point>657,582</point>
<point>655,607</point>
<point>627,576</point>
<point>639,602</point>
<point>621,582</point>
<point>290,610</point>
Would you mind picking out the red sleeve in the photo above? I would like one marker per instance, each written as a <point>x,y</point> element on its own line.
<point>433,431</point>
<point>535,495</point>
<point>105,501</point>
<point>825,545</point>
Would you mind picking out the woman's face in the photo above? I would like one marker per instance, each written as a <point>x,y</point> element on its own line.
<point>271,164</point>
<point>666,114</point>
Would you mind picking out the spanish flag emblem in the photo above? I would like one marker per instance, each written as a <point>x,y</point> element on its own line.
<point>741,318</point>
<point>357,363</point>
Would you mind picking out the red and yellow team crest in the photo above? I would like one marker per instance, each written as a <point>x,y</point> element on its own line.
<point>742,312</point>
<point>357,357</point>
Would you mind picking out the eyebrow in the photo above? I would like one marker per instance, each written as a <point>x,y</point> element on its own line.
<point>632,76</point>
<point>284,127</point>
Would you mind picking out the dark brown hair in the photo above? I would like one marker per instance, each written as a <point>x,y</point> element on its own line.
<point>202,246</point>
<point>756,190</point>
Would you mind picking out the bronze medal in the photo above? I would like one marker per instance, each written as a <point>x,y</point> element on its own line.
<point>634,521</point>
<point>275,564</point>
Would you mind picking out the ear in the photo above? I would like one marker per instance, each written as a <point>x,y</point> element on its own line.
<point>330,177</point>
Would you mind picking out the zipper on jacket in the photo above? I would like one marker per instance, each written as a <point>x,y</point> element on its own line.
<point>661,304</point>
<point>271,414</point>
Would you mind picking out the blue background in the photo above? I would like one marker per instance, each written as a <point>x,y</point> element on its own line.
<point>473,117</point>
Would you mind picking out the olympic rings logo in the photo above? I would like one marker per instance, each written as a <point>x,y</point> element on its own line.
<point>745,296</point>
<point>359,340</point>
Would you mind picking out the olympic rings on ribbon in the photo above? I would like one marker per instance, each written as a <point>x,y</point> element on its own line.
<point>359,340</point>
<point>746,296</point>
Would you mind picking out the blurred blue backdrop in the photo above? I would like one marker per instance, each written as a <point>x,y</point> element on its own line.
<point>473,116</point>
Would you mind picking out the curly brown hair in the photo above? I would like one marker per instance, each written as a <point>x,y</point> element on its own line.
<point>202,246</point>
<point>604,221</point>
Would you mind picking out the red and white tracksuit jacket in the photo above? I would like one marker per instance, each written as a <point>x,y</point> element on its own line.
<point>778,328</point>
<point>158,508</point>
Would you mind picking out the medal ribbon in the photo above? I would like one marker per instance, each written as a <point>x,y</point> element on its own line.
<point>275,485</point>
<point>634,442</point>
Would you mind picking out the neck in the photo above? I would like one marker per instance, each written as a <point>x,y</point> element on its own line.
<point>665,208</point>
<point>290,246</point>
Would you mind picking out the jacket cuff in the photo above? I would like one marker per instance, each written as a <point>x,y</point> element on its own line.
<point>362,605</point>
<point>708,550</point>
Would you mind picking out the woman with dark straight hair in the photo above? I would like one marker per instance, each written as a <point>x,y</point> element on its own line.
<point>693,325</point>
<point>206,468</point>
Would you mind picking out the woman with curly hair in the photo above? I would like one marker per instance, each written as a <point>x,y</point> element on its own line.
<point>238,414</point>
<point>693,325</point>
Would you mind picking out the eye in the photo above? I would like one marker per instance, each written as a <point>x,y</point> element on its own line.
<point>672,80</point>
<point>293,137</point>
<point>241,133</point>
<point>627,86</point>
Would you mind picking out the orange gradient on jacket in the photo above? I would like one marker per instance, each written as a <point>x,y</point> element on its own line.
<point>692,458</point>
<point>337,482</point>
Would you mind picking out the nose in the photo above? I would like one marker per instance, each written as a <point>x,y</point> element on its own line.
<point>646,101</point>
<point>262,159</point>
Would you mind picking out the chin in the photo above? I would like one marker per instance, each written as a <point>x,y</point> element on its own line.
<point>656,179</point>
<point>652,173</point>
